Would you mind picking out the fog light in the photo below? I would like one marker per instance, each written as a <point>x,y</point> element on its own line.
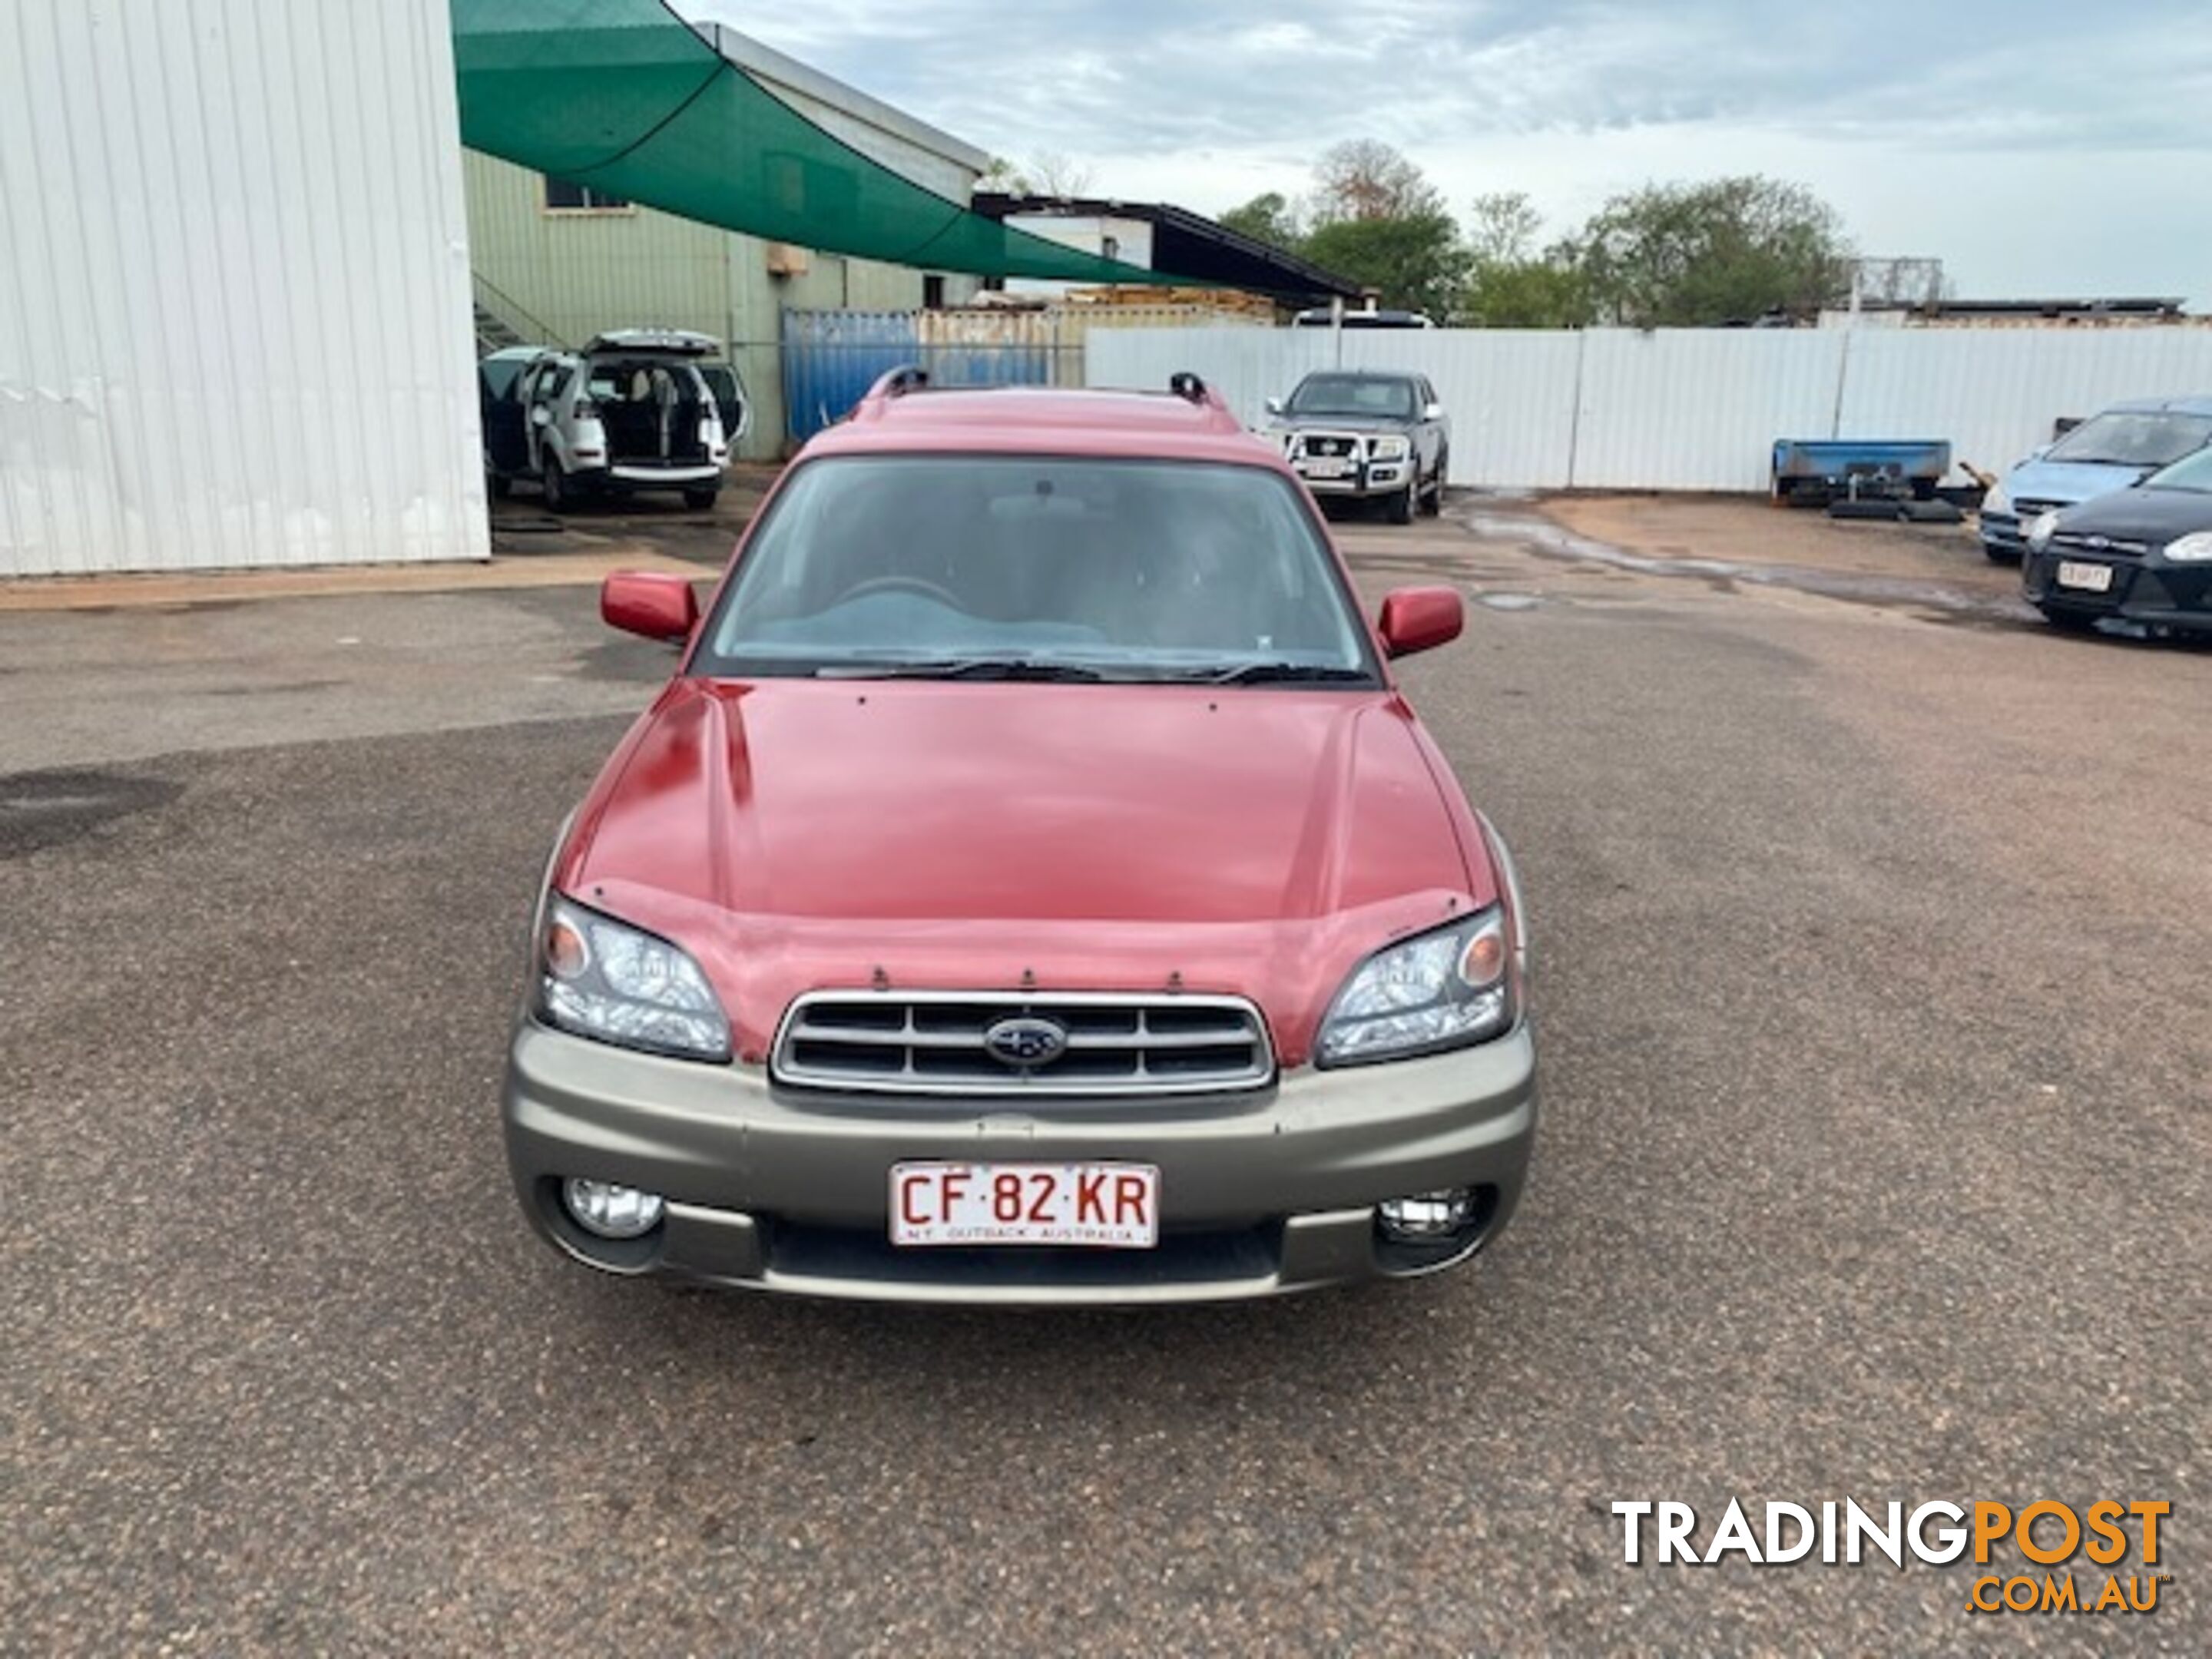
<point>609,1211</point>
<point>1426,1217</point>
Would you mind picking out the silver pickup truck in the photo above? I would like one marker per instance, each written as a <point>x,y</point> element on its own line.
<point>1369,435</point>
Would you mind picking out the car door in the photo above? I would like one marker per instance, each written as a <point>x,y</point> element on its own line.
<point>1435,433</point>
<point>528,397</point>
<point>505,433</point>
<point>541,410</point>
<point>730,401</point>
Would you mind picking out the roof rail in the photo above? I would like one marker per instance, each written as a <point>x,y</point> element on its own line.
<point>1191,389</point>
<point>894,383</point>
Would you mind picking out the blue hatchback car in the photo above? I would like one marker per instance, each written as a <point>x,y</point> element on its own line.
<point>2112,450</point>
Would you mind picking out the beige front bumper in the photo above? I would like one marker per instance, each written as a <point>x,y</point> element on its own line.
<point>1260,1194</point>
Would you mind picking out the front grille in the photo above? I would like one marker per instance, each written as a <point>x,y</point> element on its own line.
<point>1321,443</point>
<point>934,1042</point>
<point>2099,544</point>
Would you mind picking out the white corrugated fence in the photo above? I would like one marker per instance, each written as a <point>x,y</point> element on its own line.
<point>235,315</point>
<point>1692,409</point>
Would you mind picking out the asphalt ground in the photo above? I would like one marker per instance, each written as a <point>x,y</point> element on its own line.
<point>1876,1007</point>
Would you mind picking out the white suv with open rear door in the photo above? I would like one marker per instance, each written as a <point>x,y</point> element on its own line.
<point>630,412</point>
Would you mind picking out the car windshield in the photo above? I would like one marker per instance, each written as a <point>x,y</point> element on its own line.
<point>2123,438</point>
<point>1050,567</point>
<point>1353,394</point>
<point>2189,472</point>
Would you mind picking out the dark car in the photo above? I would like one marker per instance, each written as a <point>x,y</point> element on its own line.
<point>2139,556</point>
<point>1366,434</point>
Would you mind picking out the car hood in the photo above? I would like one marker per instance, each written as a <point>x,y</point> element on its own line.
<point>799,835</point>
<point>1344,422</point>
<point>2068,481</point>
<point>2151,516</point>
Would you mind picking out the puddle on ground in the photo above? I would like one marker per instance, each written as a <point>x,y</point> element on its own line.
<point>45,809</point>
<point>1508,601</point>
<point>1555,542</point>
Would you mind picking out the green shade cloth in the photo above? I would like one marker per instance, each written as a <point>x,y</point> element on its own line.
<point>624,96</point>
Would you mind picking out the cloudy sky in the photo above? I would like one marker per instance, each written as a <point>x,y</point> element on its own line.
<point>2038,148</point>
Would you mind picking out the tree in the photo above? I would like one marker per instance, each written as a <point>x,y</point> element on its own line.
<point>1267,218</point>
<point>1377,219</point>
<point>1725,251</point>
<point>1049,173</point>
<point>1544,293</point>
<point>1366,178</point>
<point>1501,230</point>
<point>1416,260</point>
<point>1002,177</point>
<point>1510,284</point>
<point>1058,175</point>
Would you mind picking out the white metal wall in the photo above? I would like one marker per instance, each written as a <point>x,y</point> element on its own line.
<point>1692,408</point>
<point>234,311</point>
<point>1993,392</point>
<point>1698,409</point>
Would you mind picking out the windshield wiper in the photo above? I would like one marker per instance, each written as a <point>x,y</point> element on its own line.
<point>1048,668</point>
<point>1256,673</point>
<point>959,668</point>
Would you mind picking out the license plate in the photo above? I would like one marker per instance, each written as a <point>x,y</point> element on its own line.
<point>1115,1206</point>
<point>1325,466</point>
<point>2091,578</point>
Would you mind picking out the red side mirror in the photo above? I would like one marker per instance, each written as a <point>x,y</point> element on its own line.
<point>1417,618</point>
<point>645,602</point>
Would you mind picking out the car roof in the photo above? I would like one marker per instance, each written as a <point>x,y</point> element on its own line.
<point>1363,373</point>
<point>1321,317</point>
<point>651,342</point>
<point>1041,419</point>
<point>2196,404</point>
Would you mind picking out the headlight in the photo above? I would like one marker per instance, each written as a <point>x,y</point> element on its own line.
<point>1997,498</point>
<point>1442,989</point>
<point>600,978</point>
<point>2038,534</point>
<point>2195,548</point>
<point>1391,449</point>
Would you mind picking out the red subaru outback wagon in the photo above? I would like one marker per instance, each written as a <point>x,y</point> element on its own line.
<point>1030,888</point>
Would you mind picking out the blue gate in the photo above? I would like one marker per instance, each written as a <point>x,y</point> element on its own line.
<point>830,358</point>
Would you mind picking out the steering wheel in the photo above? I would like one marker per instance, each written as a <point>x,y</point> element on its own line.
<point>919,585</point>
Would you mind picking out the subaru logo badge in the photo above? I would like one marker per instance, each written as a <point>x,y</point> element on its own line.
<point>2100,543</point>
<point>1025,1040</point>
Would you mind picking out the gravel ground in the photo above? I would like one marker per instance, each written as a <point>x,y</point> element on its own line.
<point>1876,1006</point>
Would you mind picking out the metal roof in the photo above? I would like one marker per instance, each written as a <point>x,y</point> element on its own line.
<point>1185,244</point>
<point>765,62</point>
<point>2094,305</point>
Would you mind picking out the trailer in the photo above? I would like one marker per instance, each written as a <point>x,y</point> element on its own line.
<point>1823,471</point>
